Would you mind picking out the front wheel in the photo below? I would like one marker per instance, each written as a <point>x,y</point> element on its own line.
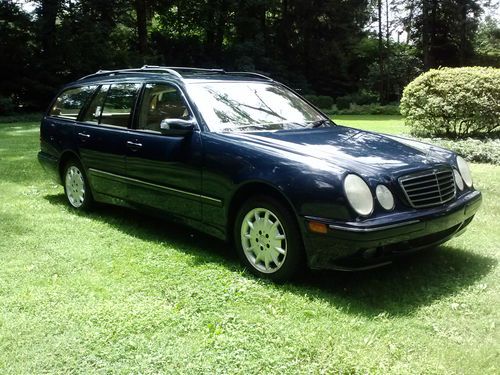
<point>268,239</point>
<point>76,186</point>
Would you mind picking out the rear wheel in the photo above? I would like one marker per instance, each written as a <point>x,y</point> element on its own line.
<point>76,187</point>
<point>268,239</point>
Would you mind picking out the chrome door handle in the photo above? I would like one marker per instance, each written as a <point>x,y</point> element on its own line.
<point>134,145</point>
<point>84,135</point>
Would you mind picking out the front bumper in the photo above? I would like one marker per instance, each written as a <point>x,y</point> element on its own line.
<point>375,242</point>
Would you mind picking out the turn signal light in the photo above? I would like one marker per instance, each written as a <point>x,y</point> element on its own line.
<point>316,227</point>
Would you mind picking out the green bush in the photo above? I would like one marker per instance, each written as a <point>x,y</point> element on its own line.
<point>370,109</point>
<point>7,106</point>
<point>453,102</point>
<point>475,150</point>
<point>320,101</point>
<point>343,102</point>
<point>364,98</point>
<point>21,117</point>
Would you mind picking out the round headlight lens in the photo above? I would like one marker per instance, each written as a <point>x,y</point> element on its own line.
<point>464,170</point>
<point>358,194</point>
<point>458,180</point>
<point>385,197</point>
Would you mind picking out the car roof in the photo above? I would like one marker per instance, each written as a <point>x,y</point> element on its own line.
<point>181,74</point>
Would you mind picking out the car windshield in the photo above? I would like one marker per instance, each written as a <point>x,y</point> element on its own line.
<point>249,106</point>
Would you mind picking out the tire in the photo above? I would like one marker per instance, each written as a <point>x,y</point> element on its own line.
<point>268,240</point>
<point>76,186</point>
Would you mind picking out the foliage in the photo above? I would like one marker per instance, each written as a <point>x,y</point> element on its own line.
<point>487,42</point>
<point>7,106</point>
<point>360,98</point>
<point>443,31</point>
<point>370,109</point>
<point>21,117</point>
<point>325,49</point>
<point>401,66</point>
<point>453,102</point>
<point>475,150</point>
<point>115,291</point>
<point>320,101</point>
<point>343,102</point>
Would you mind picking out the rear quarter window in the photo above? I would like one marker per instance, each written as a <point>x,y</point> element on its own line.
<point>71,101</point>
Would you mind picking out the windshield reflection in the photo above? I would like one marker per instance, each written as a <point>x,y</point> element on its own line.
<point>251,106</point>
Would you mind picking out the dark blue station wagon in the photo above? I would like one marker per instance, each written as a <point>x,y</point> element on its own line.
<point>244,158</point>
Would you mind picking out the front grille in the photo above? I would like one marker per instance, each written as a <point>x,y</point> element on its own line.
<point>429,188</point>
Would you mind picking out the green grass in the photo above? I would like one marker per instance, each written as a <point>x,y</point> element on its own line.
<point>114,291</point>
<point>390,124</point>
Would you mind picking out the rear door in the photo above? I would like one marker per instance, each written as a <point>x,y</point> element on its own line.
<point>102,134</point>
<point>164,171</point>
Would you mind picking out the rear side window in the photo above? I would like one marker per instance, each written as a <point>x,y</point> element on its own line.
<point>118,104</point>
<point>70,102</point>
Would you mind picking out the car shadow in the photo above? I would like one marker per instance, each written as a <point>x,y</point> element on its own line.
<point>397,289</point>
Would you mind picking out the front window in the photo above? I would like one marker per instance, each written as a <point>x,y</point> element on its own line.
<point>161,101</point>
<point>243,106</point>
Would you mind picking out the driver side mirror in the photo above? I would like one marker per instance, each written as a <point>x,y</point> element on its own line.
<point>177,126</point>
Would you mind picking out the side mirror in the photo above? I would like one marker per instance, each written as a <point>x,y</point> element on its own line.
<point>177,126</point>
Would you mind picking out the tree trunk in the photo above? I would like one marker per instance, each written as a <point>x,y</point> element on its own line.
<point>425,34</point>
<point>387,25</point>
<point>48,16</point>
<point>381,94</point>
<point>142,26</point>
<point>463,32</point>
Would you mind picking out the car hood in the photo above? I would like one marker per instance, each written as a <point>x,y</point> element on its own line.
<point>351,149</point>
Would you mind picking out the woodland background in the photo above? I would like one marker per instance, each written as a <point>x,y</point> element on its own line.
<point>357,51</point>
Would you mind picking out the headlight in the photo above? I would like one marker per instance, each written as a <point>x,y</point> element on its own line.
<point>464,170</point>
<point>358,194</point>
<point>458,180</point>
<point>385,197</point>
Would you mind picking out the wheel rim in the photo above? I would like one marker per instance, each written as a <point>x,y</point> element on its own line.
<point>75,186</point>
<point>263,239</point>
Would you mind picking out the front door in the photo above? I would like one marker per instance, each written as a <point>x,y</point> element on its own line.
<point>164,172</point>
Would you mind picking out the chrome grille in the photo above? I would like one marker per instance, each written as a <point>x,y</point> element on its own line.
<point>429,188</point>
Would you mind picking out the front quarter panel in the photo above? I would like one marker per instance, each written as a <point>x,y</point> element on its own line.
<point>311,186</point>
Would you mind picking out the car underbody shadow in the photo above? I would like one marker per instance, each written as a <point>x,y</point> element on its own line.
<point>400,288</point>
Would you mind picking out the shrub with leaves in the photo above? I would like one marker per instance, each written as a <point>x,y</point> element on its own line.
<point>320,101</point>
<point>453,102</point>
<point>475,150</point>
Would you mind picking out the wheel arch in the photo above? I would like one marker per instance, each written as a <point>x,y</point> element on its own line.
<point>63,159</point>
<point>249,189</point>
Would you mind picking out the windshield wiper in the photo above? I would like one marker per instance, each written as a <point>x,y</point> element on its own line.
<point>318,123</point>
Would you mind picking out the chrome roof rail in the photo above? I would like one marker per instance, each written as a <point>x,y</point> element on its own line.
<point>251,74</point>
<point>173,70</point>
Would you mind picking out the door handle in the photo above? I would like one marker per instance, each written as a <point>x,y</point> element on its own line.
<point>134,146</point>
<point>84,136</point>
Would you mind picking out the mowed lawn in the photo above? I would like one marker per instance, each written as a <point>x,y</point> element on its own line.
<point>115,291</point>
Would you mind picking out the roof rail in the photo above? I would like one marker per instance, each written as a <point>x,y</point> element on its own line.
<point>251,74</point>
<point>190,69</point>
<point>150,68</point>
<point>154,68</point>
<point>174,70</point>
